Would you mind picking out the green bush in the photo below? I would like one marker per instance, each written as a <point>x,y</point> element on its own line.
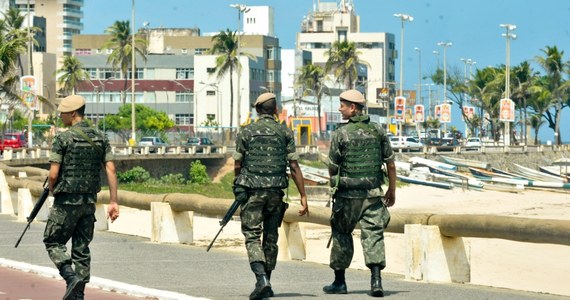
<point>136,174</point>
<point>173,179</point>
<point>198,173</point>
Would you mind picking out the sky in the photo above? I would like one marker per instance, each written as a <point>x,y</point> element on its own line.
<point>471,26</point>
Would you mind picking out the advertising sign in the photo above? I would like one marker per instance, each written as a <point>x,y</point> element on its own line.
<point>419,114</point>
<point>399,108</point>
<point>28,84</point>
<point>506,110</point>
<point>468,112</point>
<point>437,112</point>
<point>445,113</point>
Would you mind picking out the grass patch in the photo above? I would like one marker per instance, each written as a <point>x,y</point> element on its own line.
<point>221,190</point>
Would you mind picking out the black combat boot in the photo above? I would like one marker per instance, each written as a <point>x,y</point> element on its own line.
<point>339,284</point>
<point>270,292</point>
<point>262,286</point>
<point>376,289</point>
<point>73,282</point>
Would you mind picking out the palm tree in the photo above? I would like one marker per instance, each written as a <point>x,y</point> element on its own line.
<point>12,28</point>
<point>343,61</point>
<point>487,86</point>
<point>312,79</point>
<point>226,46</point>
<point>523,80</point>
<point>553,64</point>
<point>121,44</point>
<point>70,74</point>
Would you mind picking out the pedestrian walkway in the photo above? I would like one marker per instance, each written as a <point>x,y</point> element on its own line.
<point>134,266</point>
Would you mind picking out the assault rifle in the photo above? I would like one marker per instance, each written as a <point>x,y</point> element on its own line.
<point>229,214</point>
<point>35,211</point>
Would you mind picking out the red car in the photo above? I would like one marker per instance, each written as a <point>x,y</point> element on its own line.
<point>13,141</point>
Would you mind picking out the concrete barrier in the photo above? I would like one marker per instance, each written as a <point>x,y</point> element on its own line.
<point>170,226</point>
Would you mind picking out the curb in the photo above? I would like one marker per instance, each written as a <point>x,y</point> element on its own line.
<point>101,283</point>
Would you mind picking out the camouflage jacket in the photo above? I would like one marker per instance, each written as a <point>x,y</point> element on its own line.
<point>340,140</point>
<point>244,143</point>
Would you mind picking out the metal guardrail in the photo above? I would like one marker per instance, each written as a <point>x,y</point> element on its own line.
<point>483,149</point>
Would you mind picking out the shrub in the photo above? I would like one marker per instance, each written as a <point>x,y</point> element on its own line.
<point>198,173</point>
<point>136,174</point>
<point>173,179</point>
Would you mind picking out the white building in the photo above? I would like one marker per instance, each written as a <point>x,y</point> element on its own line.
<point>331,22</point>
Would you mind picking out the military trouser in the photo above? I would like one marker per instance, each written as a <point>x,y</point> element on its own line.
<point>75,222</point>
<point>261,216</point>
<point>372,216</point>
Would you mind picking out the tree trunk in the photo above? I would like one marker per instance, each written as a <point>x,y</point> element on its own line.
<point>557,123</point>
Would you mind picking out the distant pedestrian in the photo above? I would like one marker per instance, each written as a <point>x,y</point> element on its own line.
<point>357,153</point>
<point>76,160</point>
<point>264,148</point>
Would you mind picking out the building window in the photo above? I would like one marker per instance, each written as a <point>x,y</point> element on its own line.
<point>184,97</point>
<point>210,93</point>
<point>109,51</point>
<point>109,73</point>
<point>184,73</point>
<point>184,51</point>
<point>82,51</point>
<point>184,119</point>
<point>211,70</point>
<point>92,72</point>
<point>139,73</point>
<point>199,51</point>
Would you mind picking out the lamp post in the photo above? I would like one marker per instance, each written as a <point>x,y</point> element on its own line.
<point>404,18</point>
<point>508,36</point>
<point>445,45</point>
<point>241,8</point>
<point>133,118</point>
<point>419,74</point>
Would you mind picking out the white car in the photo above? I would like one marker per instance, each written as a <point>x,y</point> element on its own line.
<point>405,142</point>
<point>473,142</point>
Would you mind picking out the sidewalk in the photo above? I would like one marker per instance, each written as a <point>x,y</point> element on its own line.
<point>134,266</point>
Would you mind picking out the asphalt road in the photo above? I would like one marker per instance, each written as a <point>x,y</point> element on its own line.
<point>128,264</point>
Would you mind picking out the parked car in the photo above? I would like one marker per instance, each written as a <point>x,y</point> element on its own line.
<point>199,141</point>
<point>473,142</point>
<point>405,142</point>
<point>13,141</point>
<point>153,142</point>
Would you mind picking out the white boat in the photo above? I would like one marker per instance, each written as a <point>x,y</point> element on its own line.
<point>459,162</point>
<point>432,163</point>
<point>535,175</point>
<point>562,171</point>
<point>441,185</point>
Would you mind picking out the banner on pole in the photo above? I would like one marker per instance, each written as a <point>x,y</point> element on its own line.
<point>437,112</point>
<point>445,113</point>
<point>419,114</point>
<point>468,112</point>
<point>399,108</point>
<point>506,110</point>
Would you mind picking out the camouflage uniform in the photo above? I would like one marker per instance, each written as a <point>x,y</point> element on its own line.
<point>358,200</point>
<point>264,148</point>
<point>73,213</point>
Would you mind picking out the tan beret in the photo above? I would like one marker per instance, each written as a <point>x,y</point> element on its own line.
<point>71,103</point>
<point>353,96</point>
<point>264,98</point>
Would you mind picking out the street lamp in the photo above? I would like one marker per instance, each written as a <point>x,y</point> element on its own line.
<point>445,45</point>
<point>133,123</point>
<point>419,73</point>
<point>404,18</point>
<point>241,8</point>
<point>508,36</point>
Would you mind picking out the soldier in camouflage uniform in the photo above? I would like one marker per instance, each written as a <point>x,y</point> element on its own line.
<point>77,157</point>
<point>263,150</point>
<point>357,152</point>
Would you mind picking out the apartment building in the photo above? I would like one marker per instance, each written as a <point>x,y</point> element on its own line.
<point>338,21</point>
<point>179,76</point>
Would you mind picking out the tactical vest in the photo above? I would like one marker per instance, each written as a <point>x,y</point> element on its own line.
<point>361,167</point>
<point>265,161</point>
<point>81,166</point>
